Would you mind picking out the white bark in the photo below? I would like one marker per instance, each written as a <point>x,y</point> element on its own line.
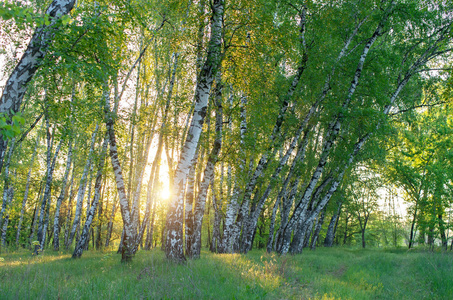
<point>110,223</point>
<point>84,237</point>
<point>47,190</point>
<point>174,242</point>
<point>17,82</point>
<point>264,160</point>
<point>129,238</point>
<point>226,245</point>
<point>27,189</point>
<point>8,198</point>
<point>82,188</point>
<point>69,208</point>
<point>208,175</point>
<point>329,140</point>
<point>252,220</point>
<point>63,193</point>
<point>6,186</point>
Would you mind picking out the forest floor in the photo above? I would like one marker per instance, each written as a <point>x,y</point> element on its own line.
<point>336,273</point>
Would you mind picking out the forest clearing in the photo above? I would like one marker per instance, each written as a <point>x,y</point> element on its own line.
<point>259,144</point>
<point>326,273</point>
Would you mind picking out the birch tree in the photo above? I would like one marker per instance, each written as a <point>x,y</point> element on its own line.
<point>174,225</point>
<point>16,85</point>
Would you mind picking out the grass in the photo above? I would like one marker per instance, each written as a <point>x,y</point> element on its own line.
<point>336,273</point>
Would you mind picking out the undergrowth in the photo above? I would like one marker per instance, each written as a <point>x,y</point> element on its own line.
<point>335,273</point>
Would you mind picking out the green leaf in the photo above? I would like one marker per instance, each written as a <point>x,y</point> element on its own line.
<point>18,119</point>
<point>65,20</point>
<point>9,134</point>
<point>16,130</point>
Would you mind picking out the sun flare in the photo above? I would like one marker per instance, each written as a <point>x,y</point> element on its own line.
<point>165,193</point>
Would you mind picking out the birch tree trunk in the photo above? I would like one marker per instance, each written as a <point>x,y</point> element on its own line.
<point>35,215</point>
<point>264,160</point>
<point>217,204</point>
<point>129,236</point>
<point>101,215</point>
<point>208,175</point>
<point>226,245</point>
<point>330,235</point>
<point>63,193</point>
<point>92,212</point>
<point>46,196</point>
<point>189,204</point>
<point>174,248</point>
<point>317,230</point>
<point>283,194</point>
<point>24,71</point>
<point>69,208</point>
<point>252,220</point>
<point>88,205</point>
<point>6,187</point>
<point>110,223</point>
<point>82,188</point>
<point>141,229</point>
<point>8,194</point>
<point>27,189</point>
<point>8,198</point>
<point>329,140</point>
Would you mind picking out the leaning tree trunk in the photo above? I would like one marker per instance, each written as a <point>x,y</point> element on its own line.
<point>100,217</point>
<point>6,187</point>
<point>141,228</point>
<point>226,245</point>
<point>81,190</point>
<point>46,196</point>
<point>110,223</point>
<point>330,235</point>
<point>305,223</point>
<point>8,197</point>
<point>24,71</point>
<point>129,236</point>
<point>88,205</point>
<point>69,208</point>
<point>63,193</point>
<point>208,175</point>
<point>188,207</point>
<point>243,215</point>
<point>31,237</point>
<point>252,220</point>
<point>174,248</point>
<point>317,230</point>
<point>27,189</point>
<point>283,194</point>
<point>217,205</point>
<point>91,213</point>
<point>332,133</point>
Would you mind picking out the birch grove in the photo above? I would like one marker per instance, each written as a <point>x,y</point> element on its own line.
<point>232,124</point>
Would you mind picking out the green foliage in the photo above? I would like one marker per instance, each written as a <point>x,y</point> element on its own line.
<point>10,127</point>
<point>422,166</point>
<point>26,16</point>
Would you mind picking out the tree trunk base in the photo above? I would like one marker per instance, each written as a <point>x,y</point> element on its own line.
<point>126,256</point>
